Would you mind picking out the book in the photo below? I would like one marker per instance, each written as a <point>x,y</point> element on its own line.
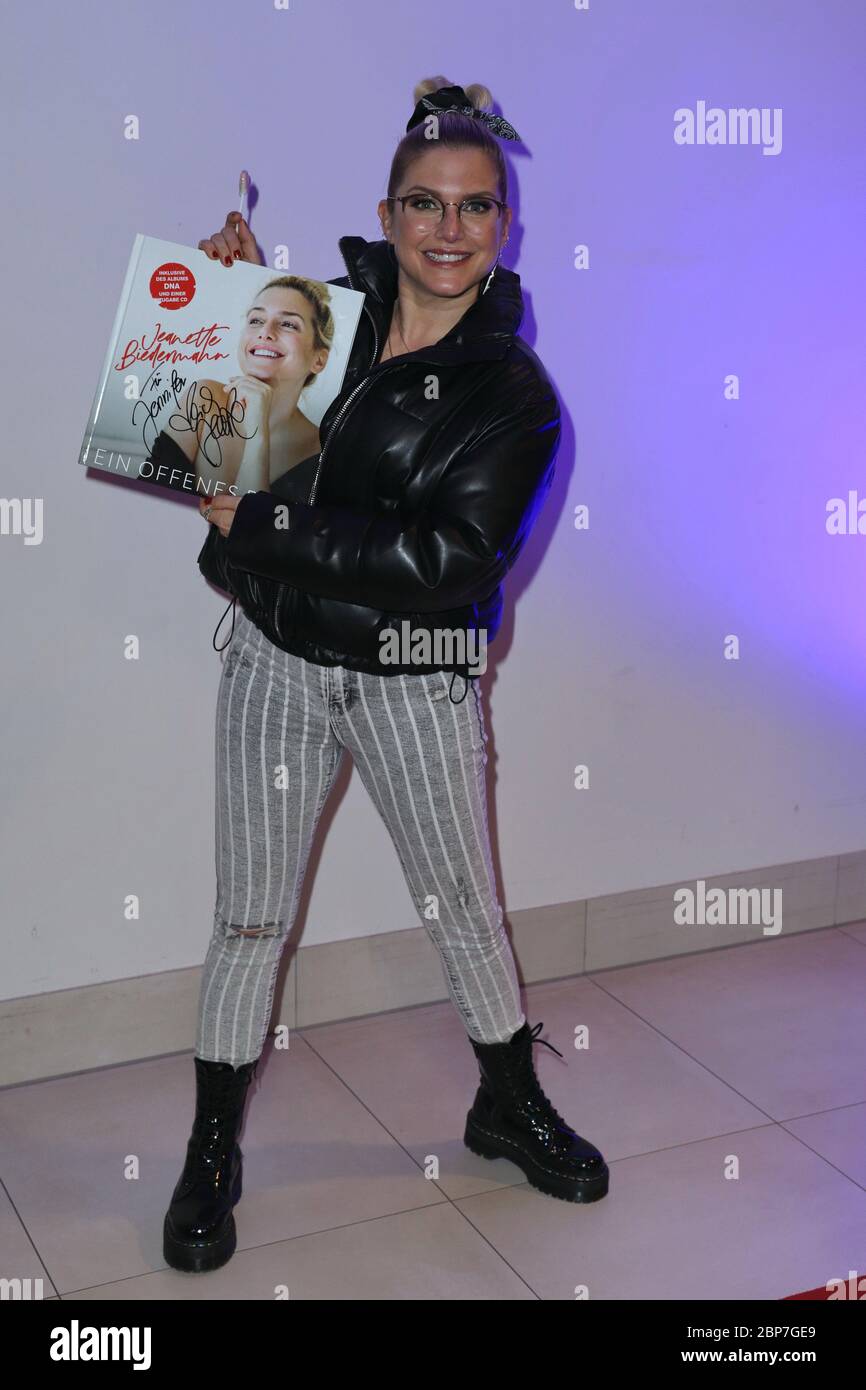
<point>216,378</point>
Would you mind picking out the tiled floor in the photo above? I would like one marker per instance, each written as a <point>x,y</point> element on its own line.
<point>727,1091</point>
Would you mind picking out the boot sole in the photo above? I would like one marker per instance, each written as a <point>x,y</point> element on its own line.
<point>202,1256</point>
<point>488,1145</point>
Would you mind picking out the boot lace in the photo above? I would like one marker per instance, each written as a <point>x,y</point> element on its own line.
<point>533,1085</point>
<point>214,1127</point>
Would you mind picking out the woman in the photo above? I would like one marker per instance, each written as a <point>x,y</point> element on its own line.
<point>437,455</point>
<point>250,429</point>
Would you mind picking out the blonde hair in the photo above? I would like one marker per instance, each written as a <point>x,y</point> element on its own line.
<point>456,131</point>
<point>318,296</point>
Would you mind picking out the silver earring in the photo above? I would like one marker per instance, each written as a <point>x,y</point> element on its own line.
<point>493,271</point>
<point>491,275</point>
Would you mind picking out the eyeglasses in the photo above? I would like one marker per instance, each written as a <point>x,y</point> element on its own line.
<point>425,212</point>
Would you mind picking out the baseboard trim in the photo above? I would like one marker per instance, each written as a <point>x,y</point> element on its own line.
<point>73,1030</point>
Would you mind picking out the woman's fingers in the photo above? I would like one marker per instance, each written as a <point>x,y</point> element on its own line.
<point>231,239</point>
<point>210,247</point>
<point>223,245</point>
<point>234,242</point>
<point>222,516</point>
<point>247,249</point>
<point>222,513</point>
<point>223,249</point>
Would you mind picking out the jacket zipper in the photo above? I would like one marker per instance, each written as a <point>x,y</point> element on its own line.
<point>344,407</point>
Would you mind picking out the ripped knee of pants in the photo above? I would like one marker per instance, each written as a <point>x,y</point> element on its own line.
<point>241,929</point>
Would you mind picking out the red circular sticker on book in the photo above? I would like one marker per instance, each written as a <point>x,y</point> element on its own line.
<point>173,285</point>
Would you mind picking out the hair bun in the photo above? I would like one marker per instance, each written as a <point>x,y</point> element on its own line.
<point>478,95</point>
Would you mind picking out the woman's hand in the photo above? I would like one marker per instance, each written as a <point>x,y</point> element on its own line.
<point>255,396</point>
<point>222,511</point>
<point>234,243</point>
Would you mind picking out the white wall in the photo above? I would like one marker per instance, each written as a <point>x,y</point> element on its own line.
<point>707,514</point>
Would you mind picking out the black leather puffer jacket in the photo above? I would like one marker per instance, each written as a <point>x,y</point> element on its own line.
<point>434,465</point>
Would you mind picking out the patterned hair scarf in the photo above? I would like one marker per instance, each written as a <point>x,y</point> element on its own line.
<point>455,99</point>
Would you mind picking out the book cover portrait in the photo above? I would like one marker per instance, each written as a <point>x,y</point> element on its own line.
<point>215,379</point>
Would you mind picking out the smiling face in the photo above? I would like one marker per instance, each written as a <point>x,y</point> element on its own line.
<point>276,341</point>
<point>470,246</point>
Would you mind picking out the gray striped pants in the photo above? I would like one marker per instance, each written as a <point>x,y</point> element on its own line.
<point>282,725</point>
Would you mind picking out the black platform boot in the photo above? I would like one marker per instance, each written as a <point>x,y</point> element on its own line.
<point>511,1117</point>
<point>199,1230</point>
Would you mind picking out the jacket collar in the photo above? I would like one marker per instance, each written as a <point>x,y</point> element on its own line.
<point>485,331</point>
